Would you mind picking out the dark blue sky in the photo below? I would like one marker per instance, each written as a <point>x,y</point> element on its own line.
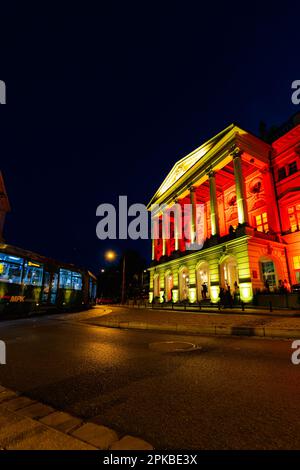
<point>103,102</point>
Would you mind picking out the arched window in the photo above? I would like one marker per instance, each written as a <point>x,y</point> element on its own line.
<point>229,272</point>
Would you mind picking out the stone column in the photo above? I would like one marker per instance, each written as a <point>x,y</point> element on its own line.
<point>214,213</point>
<point>241,201</point>
<point>163,237</point>
<point>176,228</point>
<point>154,233</point>
<point>153,249</point>
<point>194,214</point>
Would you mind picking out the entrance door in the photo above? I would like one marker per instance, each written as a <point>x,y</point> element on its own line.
<point>203,284</point>
<point>268,273</point>
<point>229,273</point>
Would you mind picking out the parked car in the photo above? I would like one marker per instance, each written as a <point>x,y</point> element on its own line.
<point>296,288</point>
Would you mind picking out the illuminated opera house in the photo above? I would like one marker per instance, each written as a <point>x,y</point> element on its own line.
<point>250,191</point>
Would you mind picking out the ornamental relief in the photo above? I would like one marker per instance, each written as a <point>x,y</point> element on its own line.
<point>255,193</point>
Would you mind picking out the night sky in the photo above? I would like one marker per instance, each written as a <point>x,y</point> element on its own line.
<point>103,102</point>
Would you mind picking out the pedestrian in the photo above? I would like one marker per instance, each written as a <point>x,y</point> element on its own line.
<point>267,285</point>
<point>228,297</point>
<point>281,287</point>
<point>204,291</point>
<point>286,286</point>
<point>222,296</point>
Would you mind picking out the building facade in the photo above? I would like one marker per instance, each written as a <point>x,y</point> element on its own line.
<point>249,190</point>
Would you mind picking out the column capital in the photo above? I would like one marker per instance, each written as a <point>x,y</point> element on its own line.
<point>210,172</point>
<point>235,151</point>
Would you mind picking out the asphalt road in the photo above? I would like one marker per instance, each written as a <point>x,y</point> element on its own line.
<point>235,393</point>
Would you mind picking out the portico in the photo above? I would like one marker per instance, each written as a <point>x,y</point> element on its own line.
<point>225,194</point>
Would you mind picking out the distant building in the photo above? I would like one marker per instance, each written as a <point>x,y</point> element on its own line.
<point>250,191</point>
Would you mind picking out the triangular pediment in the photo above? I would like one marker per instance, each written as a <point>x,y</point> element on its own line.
<point>186,163</point>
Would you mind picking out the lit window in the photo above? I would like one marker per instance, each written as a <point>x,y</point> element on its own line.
<point>294,217</point>
<point>33,273</point>
<point>296,260</point>
<point>10,268</point>
<point>292,168</point>
<point>70,280</point>
<point>262,222</point>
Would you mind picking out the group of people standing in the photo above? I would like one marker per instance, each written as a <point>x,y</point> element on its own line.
<point>284,287</point>
<point>226,297</point>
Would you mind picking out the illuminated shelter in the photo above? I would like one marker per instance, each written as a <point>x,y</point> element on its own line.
<point>249,190</point>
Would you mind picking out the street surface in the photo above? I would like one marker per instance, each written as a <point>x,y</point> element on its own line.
<point>234,393</point>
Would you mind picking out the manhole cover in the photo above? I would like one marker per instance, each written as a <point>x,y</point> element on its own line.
<point>174,346</point>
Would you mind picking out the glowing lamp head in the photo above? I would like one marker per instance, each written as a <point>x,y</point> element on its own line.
<point>110,255</point>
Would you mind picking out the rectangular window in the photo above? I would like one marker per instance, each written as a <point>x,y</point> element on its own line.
<point>281,173</point>
<point>292,168</point>
<point>70,280</point>
<point>33,273</point>
<point>294,217</point>
<point>296,261</point>
<point>11,268</point>
<point>76,281</point>
<point>262,222</point>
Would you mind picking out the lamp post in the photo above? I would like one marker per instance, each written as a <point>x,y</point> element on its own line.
<point>111,255</point>
<point>123,280</point>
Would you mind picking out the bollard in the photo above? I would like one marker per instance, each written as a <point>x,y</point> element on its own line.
<point>172,305</point>
<point>200,307</point>
<point>271,307</point>
<point>243,306</point>
<point>184,306</point>
<point>219,306</point>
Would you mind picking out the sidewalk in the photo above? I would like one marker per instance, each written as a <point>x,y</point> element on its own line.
<point>223,323</point>
<point>26,424</point>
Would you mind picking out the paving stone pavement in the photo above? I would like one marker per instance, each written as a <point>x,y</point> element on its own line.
<point>29,425</point>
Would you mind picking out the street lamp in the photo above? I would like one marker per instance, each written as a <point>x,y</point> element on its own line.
<point>111,255</point>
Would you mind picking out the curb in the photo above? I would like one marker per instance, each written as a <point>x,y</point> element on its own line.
<point>214,330</point>
<point>31,425</point>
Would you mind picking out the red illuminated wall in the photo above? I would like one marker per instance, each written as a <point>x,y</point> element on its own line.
<point>286,167</point>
